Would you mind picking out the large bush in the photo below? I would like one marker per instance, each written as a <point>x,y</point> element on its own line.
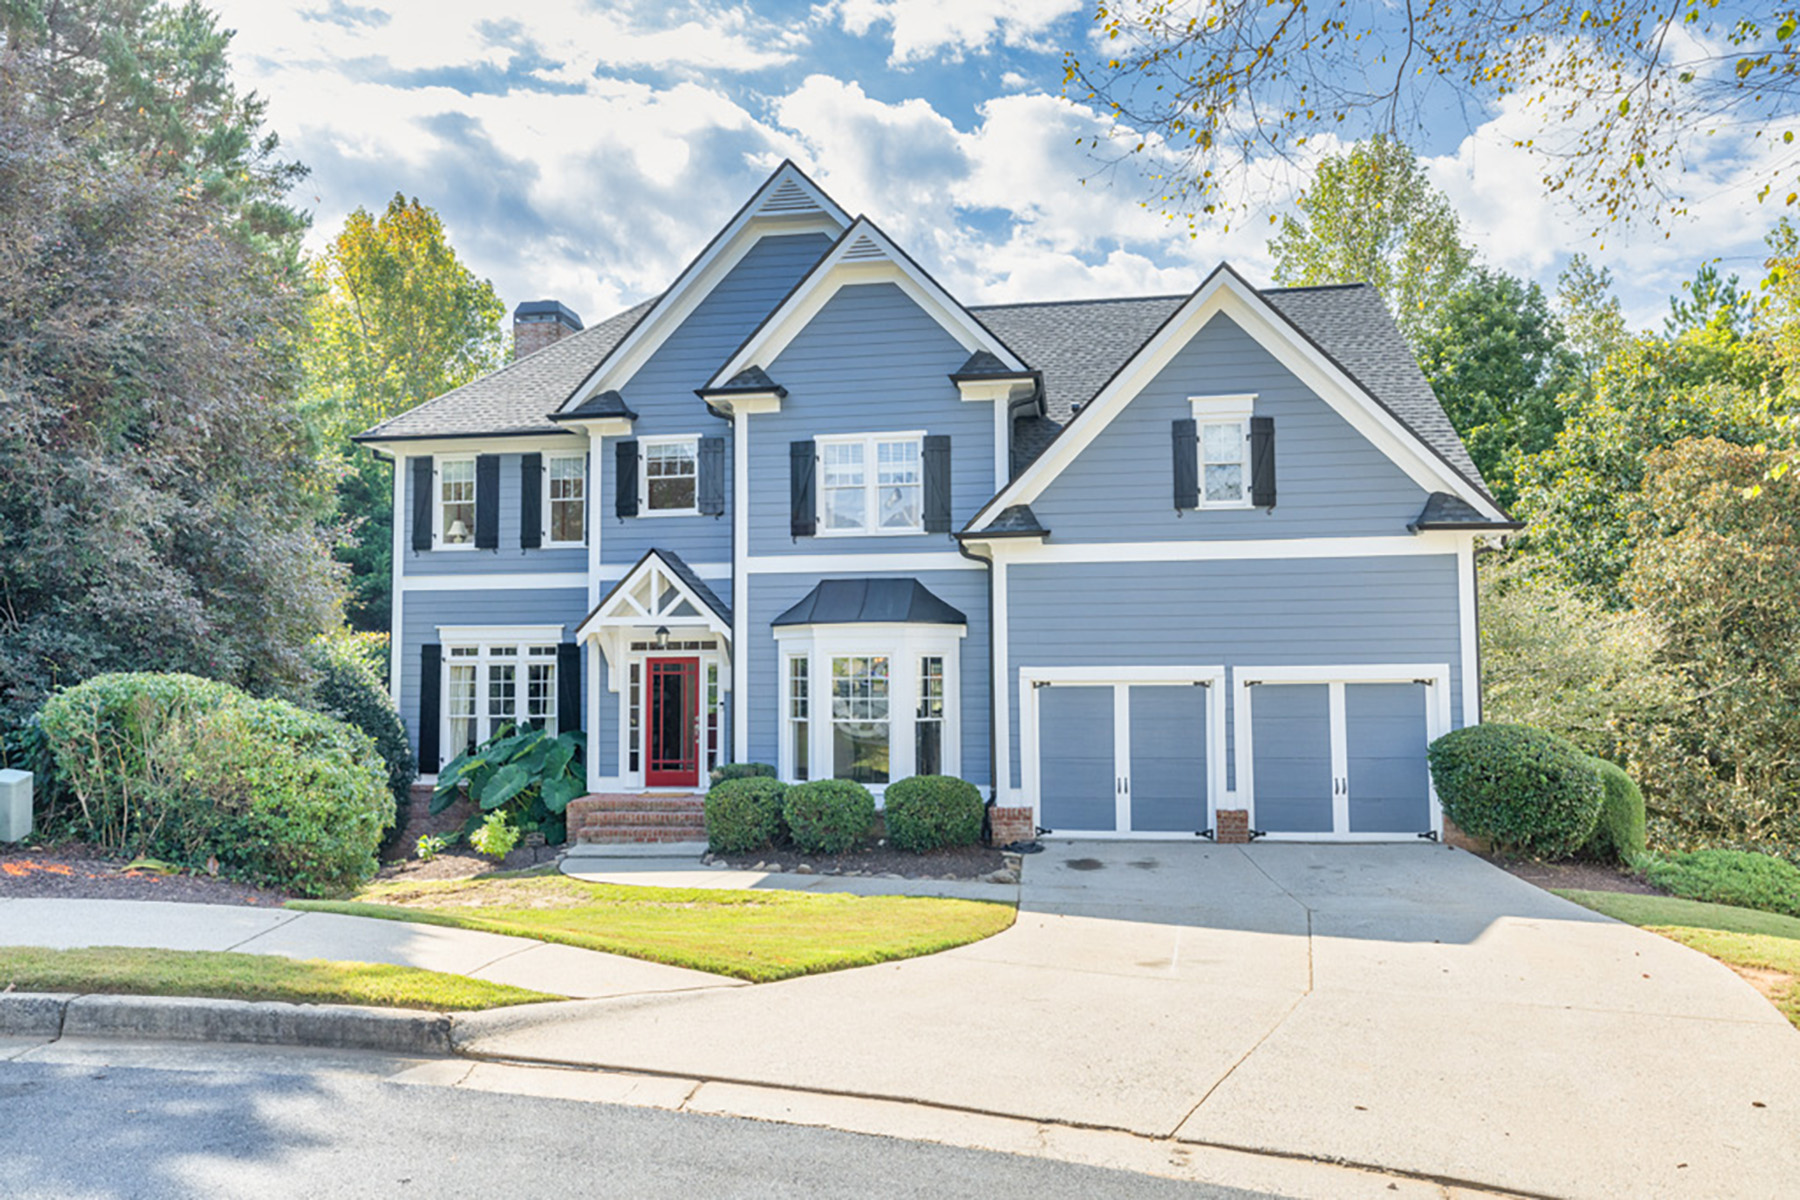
<point>1619,833</point>
<point>827,816</point>
<point>929,811</point>
<point>1737,877</point>
<point>1525,790</point>
<point>186,769</point>
<point>743,814</point>
<point>347,685</point>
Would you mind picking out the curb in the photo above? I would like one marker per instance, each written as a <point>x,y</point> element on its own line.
<point>259,1022</point>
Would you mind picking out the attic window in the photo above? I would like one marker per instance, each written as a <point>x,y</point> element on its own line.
<point>1223,427</point>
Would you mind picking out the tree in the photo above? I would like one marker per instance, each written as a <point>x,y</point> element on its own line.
<point>396,319</point>
<point>1591,314</point>
<point>1709,301</point>
<point>1202,87</point>
<point>1495,356</point>
<point>1371,216</point>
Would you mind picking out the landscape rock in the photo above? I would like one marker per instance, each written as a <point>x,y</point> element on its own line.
<point>803,869</point>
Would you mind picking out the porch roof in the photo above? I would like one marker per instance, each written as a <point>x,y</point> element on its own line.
<point>857,601</point>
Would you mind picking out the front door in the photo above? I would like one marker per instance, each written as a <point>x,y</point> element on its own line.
<point>673,757</point>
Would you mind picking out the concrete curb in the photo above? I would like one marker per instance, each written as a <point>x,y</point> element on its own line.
<point>260,1022</point>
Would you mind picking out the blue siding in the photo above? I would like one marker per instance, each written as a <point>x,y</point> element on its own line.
<point>1331,480</point>
<point>773,594</point>
<point>870,361</point>
<point>1291,612</point>
<point>508,558</point>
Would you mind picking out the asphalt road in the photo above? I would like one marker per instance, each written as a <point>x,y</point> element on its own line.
<point>79,1132</point>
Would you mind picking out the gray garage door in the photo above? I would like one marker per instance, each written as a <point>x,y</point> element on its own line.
<point>1290,726</point>
<point>1385,739</point>
<point>1167,764</point>
<point>1077,786</point>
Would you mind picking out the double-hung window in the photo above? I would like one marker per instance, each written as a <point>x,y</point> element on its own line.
<point>490,684</point>
<point>928,724</point>
<point>456,502</point>
<point>859,718</point>
<point>671,476</point>
<point>565,500</point>
<point>1223,427</point>
<point>871,484</point>
<point>799,718</point>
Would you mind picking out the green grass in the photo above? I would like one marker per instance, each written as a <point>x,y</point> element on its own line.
<point>221,975</point>
<point>1766,943</point>
<point>756,935</point>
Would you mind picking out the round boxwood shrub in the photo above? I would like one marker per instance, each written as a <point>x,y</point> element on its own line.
<point>743,814</point>
<point>726,772</point>
<point>929,811</point>
<point>1525,790</point>
<point>1619,833</point>
<point>186,769</point>
<point>827,816</point>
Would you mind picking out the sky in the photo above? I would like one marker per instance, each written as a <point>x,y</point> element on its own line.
<point>584,151</point>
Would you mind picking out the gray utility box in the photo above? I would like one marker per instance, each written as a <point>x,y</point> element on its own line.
<point>15,806</point>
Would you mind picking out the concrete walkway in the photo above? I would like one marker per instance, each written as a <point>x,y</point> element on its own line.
<point>522,962</point>
<point>596,864</point>
<point>1408,1007</point>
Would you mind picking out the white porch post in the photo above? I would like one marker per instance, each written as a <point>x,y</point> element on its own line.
<point>593,715</point>
<point>740,585</point>
<point>397,593</point>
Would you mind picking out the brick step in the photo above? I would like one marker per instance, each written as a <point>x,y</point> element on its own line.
<point>644,840</point>
<point>637,826</point>
<point>663,833</point>
<point>645,804</point>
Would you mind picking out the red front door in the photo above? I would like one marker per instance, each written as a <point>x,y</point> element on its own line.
<point>673,758</point>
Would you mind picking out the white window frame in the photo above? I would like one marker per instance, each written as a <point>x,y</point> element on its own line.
<point>903,645</point>
<point>871,443</point>
<point>484,640</point>
<point>1223,410</point>
<point>692,442</point>
<point>437,501</point>
<point>549,503</point>
<point>788,754</point>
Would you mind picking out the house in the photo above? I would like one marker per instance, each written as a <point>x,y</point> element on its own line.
<point>1142,566</point>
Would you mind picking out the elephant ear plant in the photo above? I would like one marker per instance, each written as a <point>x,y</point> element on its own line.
<point>527,774</point>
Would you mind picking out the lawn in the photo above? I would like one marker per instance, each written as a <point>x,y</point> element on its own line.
<point>1765,947</point>
<point>222,975</point>
<point>756,935</point>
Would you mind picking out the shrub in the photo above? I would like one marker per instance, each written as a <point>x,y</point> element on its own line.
<point>743,814</point>
<point>347,685</point>
<point>496,837</point>
<point>726,772</point>
<point>827,816</point>
<point>185,769</point>
<point>529,774</point>
<point>1527,791</point>
<point>1738,877</point>
<point>1619,833</point>
<point>929,811</point>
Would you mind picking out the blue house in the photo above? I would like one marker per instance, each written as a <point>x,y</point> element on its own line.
<point>1140,566</point>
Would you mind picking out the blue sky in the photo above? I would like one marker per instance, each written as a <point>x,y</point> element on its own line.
<point>585,151</point>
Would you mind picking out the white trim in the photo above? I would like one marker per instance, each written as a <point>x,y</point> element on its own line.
<point>841,564</point>
<point>863,255</point>
<point>1238,406</point>
<point>470,635</point>
<point>548,442</point>
<point>517,580</point>
<point>740,585</point>
<point>1340,756</point>
<point>1002,443</point>
<point>692,442</point>
<point>396,605</point>
<point>1466,593</point>
<point>871,485</point>
<point>1224,292</point>
<point>1001,640</point>
<point>546,505</point>
<point>613,572</point>
<point>621,612</point>
<point>1030,550</point>
<point>593,718</point>
<point>596,461</point>
<point>1223,410</point>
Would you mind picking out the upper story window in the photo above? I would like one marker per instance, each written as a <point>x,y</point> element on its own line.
<point>565,491</point>
<point>671,475</point>
<point>1223,426</point>
<point>871,484</point>
<point>456,502</point>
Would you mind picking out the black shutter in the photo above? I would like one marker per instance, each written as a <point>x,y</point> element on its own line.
<point>1185,435</point>
<point>1262,462</point>
<point>625,459</point>
<point>937,483</point>
<point>423,481</point>
<point>487,501</point>
<point>712,476</point>
<point>431,657</point>
<point>531,501</point>
<point>568,687</point>
<point>803,502</point>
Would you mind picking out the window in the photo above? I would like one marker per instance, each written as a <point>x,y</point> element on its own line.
<point>671,475</point>
<point>456,502</point>
<point>798,720</point>
<point>1223,426</point>
<point>459,704</point>
<point>633,704</point>
<point>489,683</point>
<point>714,714</point>
<point>928,724</point>
<point>859,718</point>
<point>565,492</point>
<point>872,484</point>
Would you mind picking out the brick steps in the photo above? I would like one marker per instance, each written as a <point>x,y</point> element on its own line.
<point>615,819</point>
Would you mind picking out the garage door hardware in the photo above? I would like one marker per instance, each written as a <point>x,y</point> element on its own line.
<point>1430,835</point>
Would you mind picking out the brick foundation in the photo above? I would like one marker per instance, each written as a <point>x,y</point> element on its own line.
<point>614,819</point>
<point>418,820</point>
<point>1009,825</point>
<point>1231,826</point>
<point>1462,841</point>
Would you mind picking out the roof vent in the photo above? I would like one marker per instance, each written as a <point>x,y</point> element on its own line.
<point>539,323</point>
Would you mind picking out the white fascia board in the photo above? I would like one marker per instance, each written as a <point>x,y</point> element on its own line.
<point>507,582</point>
<point>852,563</point>
<point>548,442</point>
<point>838,271</point>
<point>1225,293</point>
<point>601,427</point>
<point>1026,551</point>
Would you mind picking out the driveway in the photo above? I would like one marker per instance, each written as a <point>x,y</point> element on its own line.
<point>1408,1007</point>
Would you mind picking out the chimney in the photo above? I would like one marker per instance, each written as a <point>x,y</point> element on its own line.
<point>538,323</point>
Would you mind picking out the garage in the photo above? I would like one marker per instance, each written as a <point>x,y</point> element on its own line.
<point>1125,751</point>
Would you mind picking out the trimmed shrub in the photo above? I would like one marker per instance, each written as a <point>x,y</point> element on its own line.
<point>347,685</point>
<point>726,772</point>
<point>185,769</point>
<point>743,814</point>
<point>1738,877</point>
<point>1527,791</point>
<point>827,816</point>
<point>929,811</point>
<point>1619,833</point>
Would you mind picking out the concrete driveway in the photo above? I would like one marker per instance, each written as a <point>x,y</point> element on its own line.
<point>1408,1007</point>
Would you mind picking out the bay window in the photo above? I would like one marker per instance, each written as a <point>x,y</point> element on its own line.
<point>859,718</point>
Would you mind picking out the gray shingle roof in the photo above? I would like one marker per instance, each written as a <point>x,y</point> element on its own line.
<point>519,397</point>
<point>984,364</point>
<point>605,404</point>
<point>750,379</point>
<point>1016,520</point>
<point>1444,511</point>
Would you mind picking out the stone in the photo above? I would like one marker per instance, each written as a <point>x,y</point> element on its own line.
<point>1003,877</point>
<point>803,869</point>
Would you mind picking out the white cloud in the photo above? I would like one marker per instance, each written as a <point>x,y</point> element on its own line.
<point>953,28</point>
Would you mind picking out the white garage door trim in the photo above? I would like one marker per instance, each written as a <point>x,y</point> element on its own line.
<point>1436,677</point>
<point>1123,678</point>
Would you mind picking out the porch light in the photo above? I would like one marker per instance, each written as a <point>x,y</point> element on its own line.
<point>662,637</point>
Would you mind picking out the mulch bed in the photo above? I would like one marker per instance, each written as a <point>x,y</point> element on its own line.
<point>463,864</point>
<point>1581,876</point>
<point>75,872</point>
<point>955,862</point>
